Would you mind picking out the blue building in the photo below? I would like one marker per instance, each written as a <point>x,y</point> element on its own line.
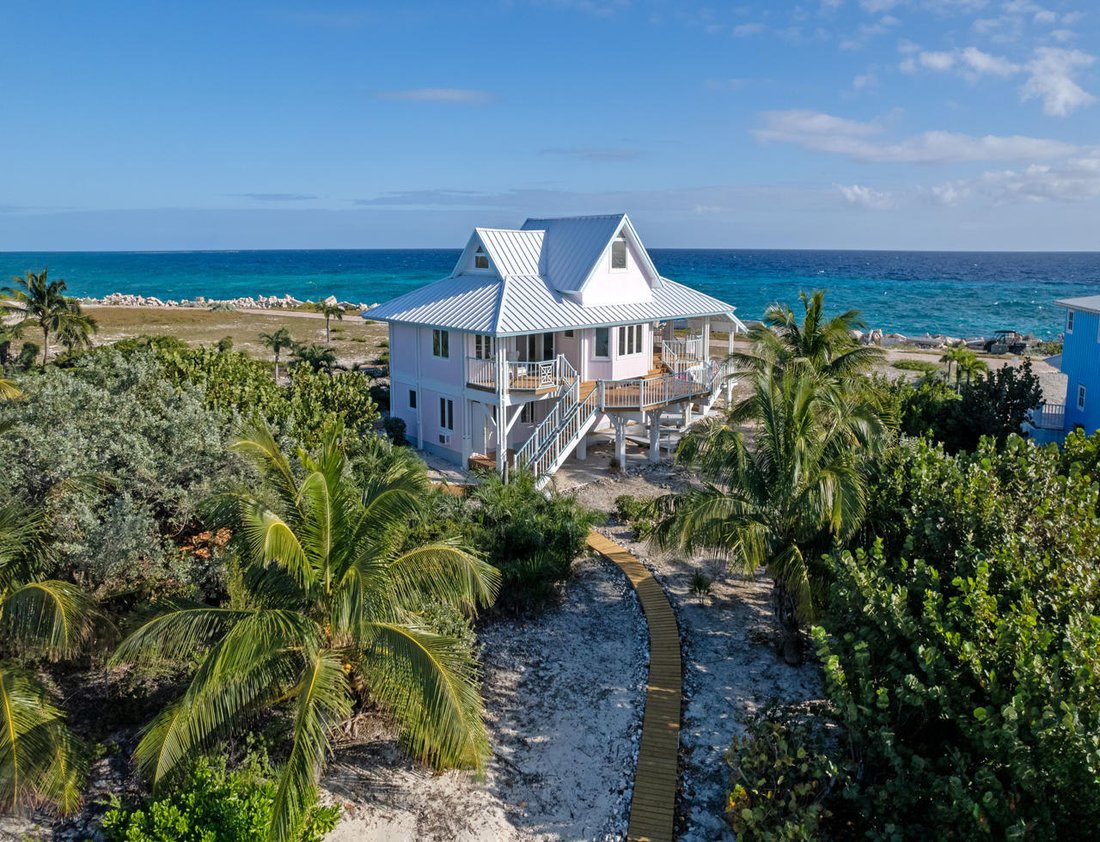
<point>1081,363</point>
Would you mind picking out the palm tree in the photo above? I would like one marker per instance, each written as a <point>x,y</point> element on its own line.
<point>9,390</point>
<point>332,613</point>
<point>277,341</point>
<point>966,362</point>
<point>41,762</point>
<point>317,357</point>
<point>43,302</point>
<point>330,309</point>
<point>767,504</point>
<point>824,346</point>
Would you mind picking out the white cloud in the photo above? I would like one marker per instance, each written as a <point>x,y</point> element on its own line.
<point>865,197</point>
<point>984,64</point>
<point>1073,180</point>
<point>969,62</point>
<point>459,96</point>
<point>1051,80</point>
<point>858,140</point>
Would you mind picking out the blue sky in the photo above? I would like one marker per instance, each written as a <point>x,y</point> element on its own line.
<point>919,124</point>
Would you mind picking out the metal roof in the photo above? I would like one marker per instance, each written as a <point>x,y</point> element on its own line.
<point>573,245</point>
<point>536,269</point>
<point>1088,303</point>
<point>527,304</point>
<point>512,252</point>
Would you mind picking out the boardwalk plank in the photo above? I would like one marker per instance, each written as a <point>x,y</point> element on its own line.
<point>653,801</point>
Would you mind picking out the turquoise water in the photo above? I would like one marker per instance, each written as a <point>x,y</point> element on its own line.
<point>961,294</point>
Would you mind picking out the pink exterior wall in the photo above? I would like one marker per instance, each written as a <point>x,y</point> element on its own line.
<point>618,368</point>
<point>403,352</point>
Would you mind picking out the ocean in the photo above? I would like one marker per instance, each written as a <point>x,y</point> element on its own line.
<point>957,293</point>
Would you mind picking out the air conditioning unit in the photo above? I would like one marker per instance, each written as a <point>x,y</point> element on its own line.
<point>445,438</point>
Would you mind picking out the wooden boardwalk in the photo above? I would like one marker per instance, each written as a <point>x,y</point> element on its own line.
<point>653,805</point>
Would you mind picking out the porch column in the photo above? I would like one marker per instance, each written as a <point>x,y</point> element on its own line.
<point>687,414</point>
<point>501,380</point>
<point>581,451</point>
<point>419,393</point>
<point>655,436</point>
<point>706,339</point>
<point>620,440</point>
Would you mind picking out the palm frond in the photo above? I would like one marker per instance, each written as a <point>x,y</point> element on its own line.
<point>446,573</point>
<point>322,702</point>
<point>430,684</point>
<point>50,617</point>
<point>41,762</point>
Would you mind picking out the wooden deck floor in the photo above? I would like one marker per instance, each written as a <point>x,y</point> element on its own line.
<point>653,805</point>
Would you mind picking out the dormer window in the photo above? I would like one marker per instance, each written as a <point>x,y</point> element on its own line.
<point>618,252</point>
<point>481,259</point>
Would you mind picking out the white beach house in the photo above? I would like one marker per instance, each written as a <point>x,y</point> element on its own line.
<point>545,334</point>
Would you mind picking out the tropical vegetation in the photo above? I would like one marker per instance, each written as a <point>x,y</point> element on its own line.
<point>328,611</point>
<point>41,761</point>
<point>37,301</point>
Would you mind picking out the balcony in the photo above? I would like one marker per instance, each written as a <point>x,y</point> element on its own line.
<point>536,376</point>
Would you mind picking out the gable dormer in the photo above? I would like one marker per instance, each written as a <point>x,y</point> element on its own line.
<point>475,258</point>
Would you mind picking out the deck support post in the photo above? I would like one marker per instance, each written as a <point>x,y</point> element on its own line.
<point>582,448</point>
<point>655,436</point>
<point>687,414</point>
<point>620,440</point>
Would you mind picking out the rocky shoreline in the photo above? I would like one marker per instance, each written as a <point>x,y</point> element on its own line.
<point>261,302</point>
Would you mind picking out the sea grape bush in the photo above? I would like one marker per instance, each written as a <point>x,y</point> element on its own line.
<point>993,405</point>
<point>234,383</point>
<point>962,651</point>
<point>781,778</point>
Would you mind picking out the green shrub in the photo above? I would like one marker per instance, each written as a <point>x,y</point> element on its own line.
<point>994,405</point>
<point>213,804</point>
<point>120,458</point>
<point>782,779</point>
<point>637,512</point>
<point>923,366</point>
<point>962,653</point>
<point>530,537</point>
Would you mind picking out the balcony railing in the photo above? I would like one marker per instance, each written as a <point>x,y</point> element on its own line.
<point>1049,416</point>
<point>528,375</point>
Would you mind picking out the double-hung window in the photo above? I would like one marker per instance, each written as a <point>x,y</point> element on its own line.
<point>441,343</point>
<point>446,414</point>
<point>630,340</point>
<point>1069,321</point>
<point>1080,395</point>
<point>412,398</point>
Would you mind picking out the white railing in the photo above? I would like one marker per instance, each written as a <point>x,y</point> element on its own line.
<point>544,431</point>
<point>481,372</point>
<point>700,379</point>
<point>561,440</point>
<point>679,355</point>
<point>522,376</point>
<point>1049,416</point>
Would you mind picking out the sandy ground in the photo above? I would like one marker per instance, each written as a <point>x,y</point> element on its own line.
<point>730,664</point>
<point>564,695</point>
<point>354,340</point>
